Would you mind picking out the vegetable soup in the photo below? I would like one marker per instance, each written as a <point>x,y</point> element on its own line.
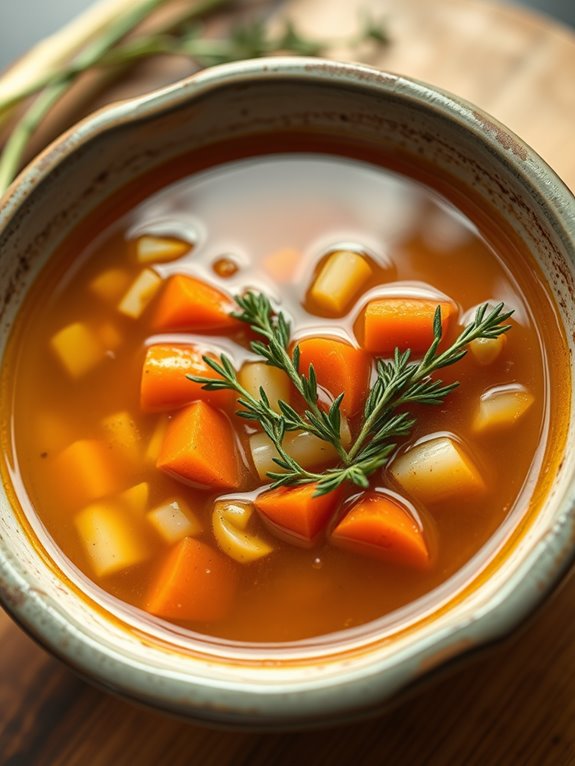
<point>283,394</point>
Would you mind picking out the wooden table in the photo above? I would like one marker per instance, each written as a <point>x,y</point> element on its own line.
<point>514,706</point>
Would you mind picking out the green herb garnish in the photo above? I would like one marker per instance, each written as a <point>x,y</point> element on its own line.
<point>399,383</point>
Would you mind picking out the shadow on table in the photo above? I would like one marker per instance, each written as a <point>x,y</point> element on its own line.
<point>514,705</point>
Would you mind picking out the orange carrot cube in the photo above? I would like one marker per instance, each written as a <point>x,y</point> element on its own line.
<point>189,304</point>
<point>403,323</point>
<point>340,368</point>
<point>295,513</point>
<point>199,448</point>
<point>164,385</point>
<point>195,583</point>
<point>381,526</point>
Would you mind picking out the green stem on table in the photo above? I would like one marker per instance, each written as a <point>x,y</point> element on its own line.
<point>15,146</point>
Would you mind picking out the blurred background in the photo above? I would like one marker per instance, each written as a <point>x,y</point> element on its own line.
<point>24,22</point>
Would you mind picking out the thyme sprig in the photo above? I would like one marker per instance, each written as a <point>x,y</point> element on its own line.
<point>399,383</point>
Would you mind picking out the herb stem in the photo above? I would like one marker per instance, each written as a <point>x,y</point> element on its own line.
<point>57,85</point>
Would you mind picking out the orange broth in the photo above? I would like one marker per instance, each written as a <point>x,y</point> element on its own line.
<point>268,223</point>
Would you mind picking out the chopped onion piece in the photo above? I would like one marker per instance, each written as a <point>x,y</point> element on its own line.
<point>229,521</point>
<point>308,450</point>
<point>174,520</point>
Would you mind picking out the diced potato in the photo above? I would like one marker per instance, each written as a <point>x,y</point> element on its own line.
<point>140,294</point>
<point>78,348</point>
<point>151,249</point>
<point>123,434</point>
<point>437,470</point>
<point>174,520</point>
<point>110,336</point>
<point>86,470</point>
<point>110,285</point>
<point>501,408</point>
<point>155,443</point>
<point>111,540</point>
<point>307,449</point>
<point>275,382</point>
<point>232,538</point>
<point>340,279</point>
<point>136,498</point>
<point>486,350</point>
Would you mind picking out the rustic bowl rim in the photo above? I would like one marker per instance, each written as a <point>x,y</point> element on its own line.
<point>551,557</point>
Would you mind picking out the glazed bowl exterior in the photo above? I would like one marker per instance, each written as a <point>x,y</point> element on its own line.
<point>310,682</point>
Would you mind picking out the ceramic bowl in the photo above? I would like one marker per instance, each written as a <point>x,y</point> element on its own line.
<point>311,682</point>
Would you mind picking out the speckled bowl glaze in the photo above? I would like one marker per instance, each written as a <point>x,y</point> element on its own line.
<point>311,682</point>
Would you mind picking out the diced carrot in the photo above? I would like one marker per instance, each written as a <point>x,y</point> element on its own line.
<point>296,513</point>
<point>164,384</point>
<point>86,470</point>
<point>189,304</point>
<point>194,583</point>
<point>380,526</point>
<point>199,448</point>
<point>340,368</point>
<point>402,323</point>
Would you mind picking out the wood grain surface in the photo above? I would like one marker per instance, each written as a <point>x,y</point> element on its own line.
<point>515,705</point>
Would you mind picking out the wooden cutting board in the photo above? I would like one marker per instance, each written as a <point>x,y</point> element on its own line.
<point>515,705</point>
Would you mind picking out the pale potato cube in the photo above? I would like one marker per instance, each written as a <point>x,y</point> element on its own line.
<point>307,449</point>
<point>111,540</point>
<point>174,520</point>
<point>150,249</point>
<point>486,350</point>
<point>136,498</point>
<point>234,541</point>
<point>110,285</point>
<point>501,408</point>
<point>155,443</point>
<point>123,434</point>
<point>110,336</point>
<point>275,382</point>
<point>78,348</point>
<point>437,470</point>
<point>340,279</point>
<point>140,294</point>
